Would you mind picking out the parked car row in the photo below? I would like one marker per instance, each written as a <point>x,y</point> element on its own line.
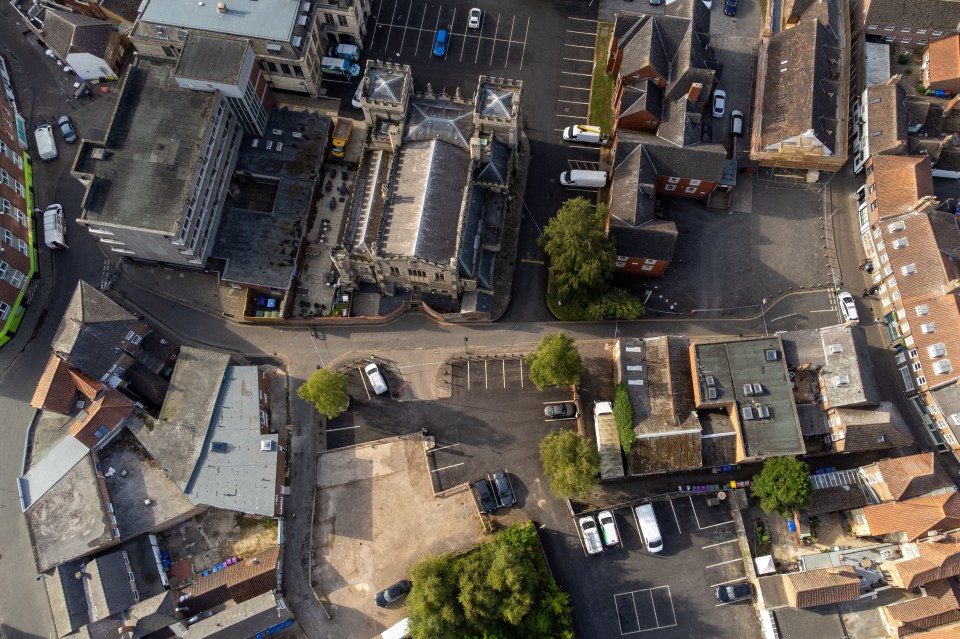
<point>602,531</point>
<point>494,492</point>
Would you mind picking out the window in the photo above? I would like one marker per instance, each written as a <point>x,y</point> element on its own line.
<point>917,366</point>
<point>162,33</point>
<point>921,380</point>
<point>949,437</point>
<point>923,309</point>
<point>942,367</point>
<point>913,353</point>
<point>285,68</point>
<point>889,39</point>
<point>342,20</point>
<point>921,31</point>
<point>694,183</point>
<point>888,28</point>
<point>937,34</point>
<point>18,188</point>
<point>673,180</point>
<point>17,278</point>
<point>181,34</point>
<point>328,18</point>
<point>646,267</point>
<point>298,70</point>
<point>649,261</point>
<point>904,29</point>
<point>7,237</point>
<point>873,27</point>
<point>670,187</point>
<point>929,327</point>
<point>23,247</point>
<point>691,189</point>
<point>394,270</point>
<point>905,40</point>
<point>873,205</point>
<point>922,42</point>
<point>438,276</point>
<point>873,187</point>
<point>4,310</point>
<point>101,432</point>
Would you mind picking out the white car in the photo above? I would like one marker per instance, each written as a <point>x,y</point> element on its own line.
<point>475,18</point>
<point>355,102</point>
<point>847,307</point>
<point>609,528</point>
<point>591,536</point>
<point>719,103</point>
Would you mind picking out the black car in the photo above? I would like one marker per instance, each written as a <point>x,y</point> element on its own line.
<point>734,592</point>
<point>501,483</point>
<point>395,592</point>
<point>730,7</point>
<point>487,503</point>
<point>560,411</point>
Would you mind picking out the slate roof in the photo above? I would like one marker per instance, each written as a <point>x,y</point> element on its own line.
<point>68,603</point>
<point>496,167</point>
<point>872,428</point>
<point>126,9</point>
<point>108,587</point>
<point>212,58</point>
<point>383,84</point>
<point>914,517</point>
<point>653,240</point>
<point>795,94</point>
<point>910,476</point>
<point>430,120</point>
<point>634,186</point>
<point>246,619</point>
<point>939,606</point>
<point>901,181</point>
<point>822,586</point>
<point>246,579</point>
<point>927,561</point>
<point>67,33</point>
<point>496,100</point>
<point>422,218</point>
<point>835,499</point>
<point>153,614</point>
<point>91,330</point>
<point>681,123</point>
<point>932,14</point>
<point>948,399</point>
<point>887,118</point>
<point>702,162</point>
<point>644,97</point>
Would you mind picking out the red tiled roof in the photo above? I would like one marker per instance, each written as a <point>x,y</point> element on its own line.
<point>913,475</point>
<point>822,586</point>
<point>937,560</point>
<point>901,181</point>
<point>55,390</point>
<point>109,409</point>
<point>944,61</point>
<point>938,607</point>
<point>915,516</point>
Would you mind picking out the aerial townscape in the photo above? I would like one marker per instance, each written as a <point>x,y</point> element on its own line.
<point>480,319</point>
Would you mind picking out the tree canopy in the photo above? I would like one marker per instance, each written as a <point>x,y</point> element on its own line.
<point>581,253</point>
<point>783,486</point>
<point>570,462</point>
<point>327,390</point>
<point>499,590</point>
<point>556,362</point>
<point>625,416</point>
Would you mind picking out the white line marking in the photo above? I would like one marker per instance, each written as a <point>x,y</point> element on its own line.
<point>403,38</point>
<point>582,19</point>
<point>495,32</point>
<point>363,379</point>
<point>572,102</point>
<point>575,117</point>
<point>433,450</point>
<point>390,30</point>
<point>437,470</point>
<point>486,375</point>
<point>333,430</point>
<point>722,543</point>
<point>578,59</point>
<point>580,46</point>
<point>423,19</point>
<point>582,33</point>
<point>722,523</point>
<point>506,60</point>
<point>827,310</point>
<point>724,583</point>
<point>524,50</point>
<point>723,563</point>
<point>521,373</point>
<point>585,75</point>
<point>504,362</point>
<point>653,605</point>
<point>468,374</point>
<point>563,86</point>
<point>697,519</point>
<point>679,530</point>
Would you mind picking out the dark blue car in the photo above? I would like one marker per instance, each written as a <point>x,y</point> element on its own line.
<point>730,7</point>
<point>440,43</point>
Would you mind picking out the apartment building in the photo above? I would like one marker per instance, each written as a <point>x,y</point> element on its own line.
<point>913,24</point>
<point>288,37</point>
<point>18,248</point>
<point>880,123</point>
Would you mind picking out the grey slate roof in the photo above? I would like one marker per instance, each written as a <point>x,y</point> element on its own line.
<point>647,96</point>
<point>948,399</point>
<point>126,9</point>
<point>796,93</point>
<point>874,428</point>
<point>152,147</point>
<point>150,615</point>
<point>91,330</point>
<point>887,117</point>
<point>212,58</point>
<point>385,85</point>
<point>67,32</point>
<point>847,357</point>
<point>68,603</point>
<point>108,586</point>
<point>701,162</point>
<point>653,240</point>
<point>681,122</point>
<point>245,619</point>
<point>496,168</point>
<point>634,187</point>
<point>440,120</point>
<point>242,476</point>
<point>176,439</point>
<point>496,101</point>
<point>933,14</point>
<point>422,218</point>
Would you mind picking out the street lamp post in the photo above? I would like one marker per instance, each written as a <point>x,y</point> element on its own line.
<point>762,316</point>
<point>465,351</point>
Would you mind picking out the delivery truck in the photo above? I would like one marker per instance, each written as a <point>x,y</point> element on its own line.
<point>54,228</point>
<point>46,144</point>
<point>341,136</point>
<point>339,66</point>
<point>583,133</point>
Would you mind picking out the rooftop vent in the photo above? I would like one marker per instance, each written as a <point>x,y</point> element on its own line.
<point>758,389</point>
<point>712,392</point>
<point>710,380</point>
<point>896,226</point>
<point>771,354</point>
<point>219,447</point>
<point>747,413</point>
<point>748,389</point>
<point>836,348</point>
<point>841,380</point>
<point>221,7</point>
<point>266,445</point>
<point>763,411</point>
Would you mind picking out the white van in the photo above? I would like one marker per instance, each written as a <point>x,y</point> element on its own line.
<point>376,379</point>
<point>649,530</point>
<point>54,228</point>
<point>736,123</point>
<point>586,179</point>
<point>583,133</point>
<point>399,630</point>
<point>46,144</point>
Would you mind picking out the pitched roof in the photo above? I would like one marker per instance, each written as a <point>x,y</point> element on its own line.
<point>927,561</point>
<point>939,346</point>
<point>910,476</point>
<point>644,97</point>
<point>872,428</point>
<point>939,606</point>
<point>914,517</point>
<point>887,118</point>
<point>935,14</point>
<point>109,589</point>
<point>944,60</point>
<point>653,240</point>
<point>67,32</point>
<point>126,9</point>
<point>798,77</point>
<point>821,586</point>
<point>634,186</point>
<point>243,580</point>
<point>109,409</point>
<point>68,602</point>
<point>91,330</point>
<point>901,181</point>
<point>55,390</point>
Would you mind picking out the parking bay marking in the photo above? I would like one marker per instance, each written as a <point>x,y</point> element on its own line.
<point>653,609</point>
<point>572,102</point>
<point>729,581</point>
<point>437,470</point>
<point>697,519</point>
<point>725,562</point>
<point>333,430</point>
<point>433,450</point>
<point>731,541</point>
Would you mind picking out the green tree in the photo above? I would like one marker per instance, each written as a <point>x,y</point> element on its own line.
<point>625,416</point>
<point>783,486</point>
<point>617,303</point>
<point>581,253</point>
<point>556,362</point>
<point>570,462</point>
<point>327,389</point>
<point>433,603</point>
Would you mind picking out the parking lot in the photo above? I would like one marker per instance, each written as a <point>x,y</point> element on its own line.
<point>626,590</point>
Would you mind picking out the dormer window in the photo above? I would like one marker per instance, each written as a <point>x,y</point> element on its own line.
<point>908,269</point>
<point>922,310</point>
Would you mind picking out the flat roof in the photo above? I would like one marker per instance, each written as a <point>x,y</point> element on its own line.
<point>150,152</point>
<point>233,471</point>
<point>263,224</point>
<point>176,438</point>
<point>754,361</point>
<point>144,480</point>
<point>267,19</point>
<point>70,520</point>
<point>876,58</point>
<point>212,58</point>
<point>51,467</point>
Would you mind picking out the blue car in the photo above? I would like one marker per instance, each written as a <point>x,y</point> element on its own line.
<point>440,43</point>
<point>730,7</point>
